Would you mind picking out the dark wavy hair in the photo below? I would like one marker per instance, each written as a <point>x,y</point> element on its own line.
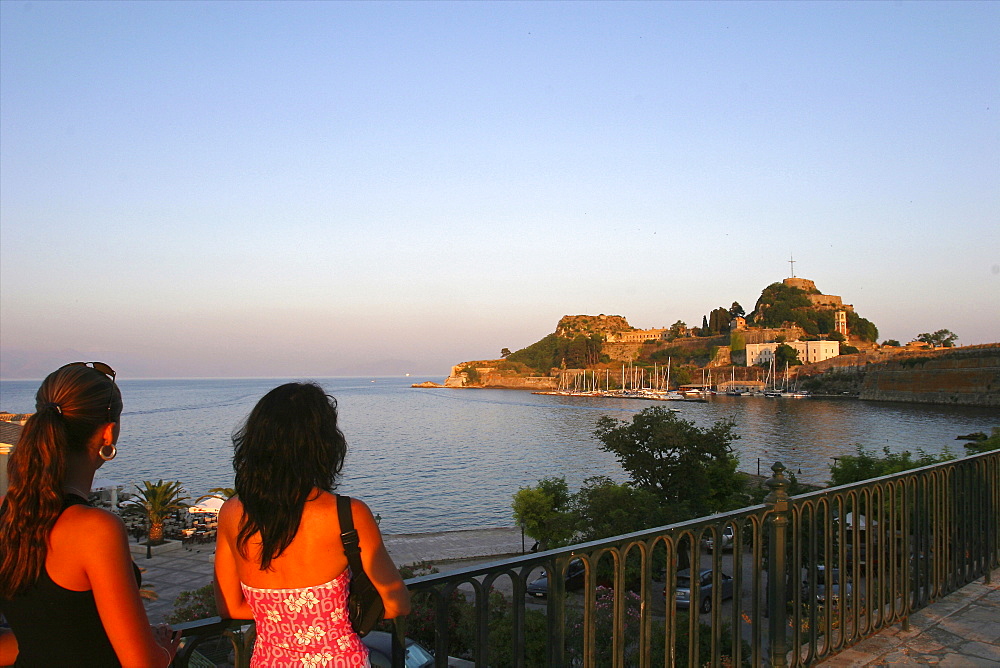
<point>289,446</point>
<point>71,405</point>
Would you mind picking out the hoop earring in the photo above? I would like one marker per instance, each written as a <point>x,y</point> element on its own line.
<point>107,457</point>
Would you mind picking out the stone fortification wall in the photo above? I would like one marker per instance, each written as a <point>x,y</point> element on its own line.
<point>968,377</point>
<point>801,284</point>
<point>621,352</point>
<point>505,381</point>
<point>764,335</point>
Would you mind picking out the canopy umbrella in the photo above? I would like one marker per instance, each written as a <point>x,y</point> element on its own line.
<point>107,484</point>
<point>211,504</point>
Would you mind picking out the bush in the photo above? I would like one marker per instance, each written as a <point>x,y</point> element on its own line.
<point>195,604</point>
<point>866,465</point>
<point>605,631</point>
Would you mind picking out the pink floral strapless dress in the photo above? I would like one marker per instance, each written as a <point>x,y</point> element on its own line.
<point>305,628</point>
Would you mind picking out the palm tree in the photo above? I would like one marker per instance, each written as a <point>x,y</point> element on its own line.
<point>217,493</point>
<point>156,501</point>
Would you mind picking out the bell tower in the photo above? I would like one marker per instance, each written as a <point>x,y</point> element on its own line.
<point>840,322</point>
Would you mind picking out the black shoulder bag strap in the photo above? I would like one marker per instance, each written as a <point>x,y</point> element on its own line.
<point>349,535</point>
<point>364,603</point>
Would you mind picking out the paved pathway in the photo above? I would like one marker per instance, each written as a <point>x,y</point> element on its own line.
<point>962,629</point>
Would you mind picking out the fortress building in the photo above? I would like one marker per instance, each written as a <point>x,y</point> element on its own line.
<point>818,299</point>
<point>809,351</point>
<point>638,336</point>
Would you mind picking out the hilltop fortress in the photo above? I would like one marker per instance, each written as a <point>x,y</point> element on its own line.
<point>813,335</point>
<point>818,299</point>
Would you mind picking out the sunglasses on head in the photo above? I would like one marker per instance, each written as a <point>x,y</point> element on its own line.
<point>101,367</point>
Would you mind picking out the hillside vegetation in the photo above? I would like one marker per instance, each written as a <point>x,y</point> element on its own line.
<point>781,305</point>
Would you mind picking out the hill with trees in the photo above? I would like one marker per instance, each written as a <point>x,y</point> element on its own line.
<point>782,305</point>
<point>788,310</point>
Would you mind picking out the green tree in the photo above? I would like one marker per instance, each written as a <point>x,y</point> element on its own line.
<point>785,354</point>
<point>718,320</point>
<point>555,351</point>
<point>891,342</point>
<point>679,461</point>
<point>824,321</point>
<point>581,351</point>
<point>155,501</point>
<point>861,328</point>
<point>736,311</point>
<point>777,303</point>
<point>943,338</point>
<point>677,328</point>
<point>545,513</point>
<point>541,356</point>
<point>505,353</point>
<point>604,508</point>
<point>836,336</point>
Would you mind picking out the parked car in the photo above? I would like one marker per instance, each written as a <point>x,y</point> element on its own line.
<point>575,574</point>
<point>827,585</point>
<point>379,644</point>
<point>704,590</point>
<point>725,539</point>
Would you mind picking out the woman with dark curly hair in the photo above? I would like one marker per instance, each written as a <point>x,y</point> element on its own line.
<point>279,557</point>
<point>68,586</point>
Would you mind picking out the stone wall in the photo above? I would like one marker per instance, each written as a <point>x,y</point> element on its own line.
<point>509,382</point>
<point>967,377</point>
<point>765,335</point>
<point>621,352</point>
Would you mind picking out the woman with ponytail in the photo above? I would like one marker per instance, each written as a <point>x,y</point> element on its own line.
<point>68,587</point>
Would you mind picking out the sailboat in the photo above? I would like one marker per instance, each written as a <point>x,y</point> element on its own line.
<point>774,391</point>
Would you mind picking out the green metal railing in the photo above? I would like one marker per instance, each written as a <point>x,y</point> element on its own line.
<point>846,563</point>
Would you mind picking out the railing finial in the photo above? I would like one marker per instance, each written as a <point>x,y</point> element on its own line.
<point>778,484</point>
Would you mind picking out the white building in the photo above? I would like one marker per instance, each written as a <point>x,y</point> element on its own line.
<point>809,351</point>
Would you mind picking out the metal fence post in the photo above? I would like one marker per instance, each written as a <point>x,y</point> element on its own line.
<point>777,606</point>
<point>398,658</point>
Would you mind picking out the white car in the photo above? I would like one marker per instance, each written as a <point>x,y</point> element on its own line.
<point>725,539</point>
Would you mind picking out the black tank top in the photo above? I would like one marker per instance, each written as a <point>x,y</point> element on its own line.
<point>58,627</point>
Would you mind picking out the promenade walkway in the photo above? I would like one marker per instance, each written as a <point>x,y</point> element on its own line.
<point>961,630</point>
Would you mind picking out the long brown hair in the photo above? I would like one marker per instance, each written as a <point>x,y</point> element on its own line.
<point>71,404</point>
<point>289,446</point>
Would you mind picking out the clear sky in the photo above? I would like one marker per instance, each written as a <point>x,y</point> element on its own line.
<point>283,189</point>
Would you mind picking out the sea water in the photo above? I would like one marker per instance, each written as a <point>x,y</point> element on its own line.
<point>442,459</point>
